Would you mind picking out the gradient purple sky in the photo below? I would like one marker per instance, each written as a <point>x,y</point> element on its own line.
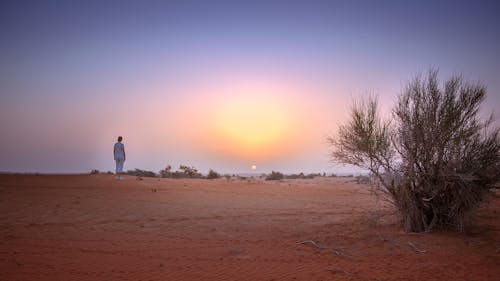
<point>218,84</point>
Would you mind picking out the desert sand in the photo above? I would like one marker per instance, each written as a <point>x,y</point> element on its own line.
<point>93,227</point>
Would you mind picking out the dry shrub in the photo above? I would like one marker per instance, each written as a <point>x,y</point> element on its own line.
<point>141,173</point>
<point>274,176</point>
<point>213,175</point>
<point>435,160</point>
<point>183,172</point>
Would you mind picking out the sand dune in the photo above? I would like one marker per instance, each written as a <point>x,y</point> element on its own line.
<point>92,227</point>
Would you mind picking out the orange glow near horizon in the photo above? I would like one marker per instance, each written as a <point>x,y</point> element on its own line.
<point>251,124</point>
<point>249,121</point>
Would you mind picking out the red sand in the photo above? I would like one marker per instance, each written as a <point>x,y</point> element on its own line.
<point>92,227</point>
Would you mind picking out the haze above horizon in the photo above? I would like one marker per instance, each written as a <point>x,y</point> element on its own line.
<point>223,85</point>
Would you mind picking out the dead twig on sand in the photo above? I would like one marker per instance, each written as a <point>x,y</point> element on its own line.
<point>397,243</point>
<point>417,249</point>
<point>338,252</point>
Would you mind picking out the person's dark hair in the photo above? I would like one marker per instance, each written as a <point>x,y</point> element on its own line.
<point>120,138</point>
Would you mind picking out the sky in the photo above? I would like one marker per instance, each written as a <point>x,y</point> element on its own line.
<point>220,85</point>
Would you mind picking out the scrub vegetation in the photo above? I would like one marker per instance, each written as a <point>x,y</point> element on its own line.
<point>435,159</point>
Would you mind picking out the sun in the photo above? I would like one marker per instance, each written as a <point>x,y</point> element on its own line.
<point>254,167</point>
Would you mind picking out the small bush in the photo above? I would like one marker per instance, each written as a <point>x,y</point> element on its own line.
<point>183,172</point>
<point>362,179</point>
<point>274,176</point>
<point>94,172</point>
<point>141,173</point>
<point>213,175</point>
<point>303,176</point>
<point>295,176</point>
<point>167,172</point>
<point>313,175</point>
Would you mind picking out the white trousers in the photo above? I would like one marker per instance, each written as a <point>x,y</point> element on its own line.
<point>119,165</point>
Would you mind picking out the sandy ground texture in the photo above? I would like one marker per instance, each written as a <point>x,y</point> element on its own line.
<point>93,227</point>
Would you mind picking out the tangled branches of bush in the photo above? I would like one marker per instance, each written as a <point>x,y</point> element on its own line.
<point>436,159</point>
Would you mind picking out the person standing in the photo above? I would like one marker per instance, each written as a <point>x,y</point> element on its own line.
<point>119,155</point>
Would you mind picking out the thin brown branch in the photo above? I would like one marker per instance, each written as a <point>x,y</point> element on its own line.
<point>416,249</point>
